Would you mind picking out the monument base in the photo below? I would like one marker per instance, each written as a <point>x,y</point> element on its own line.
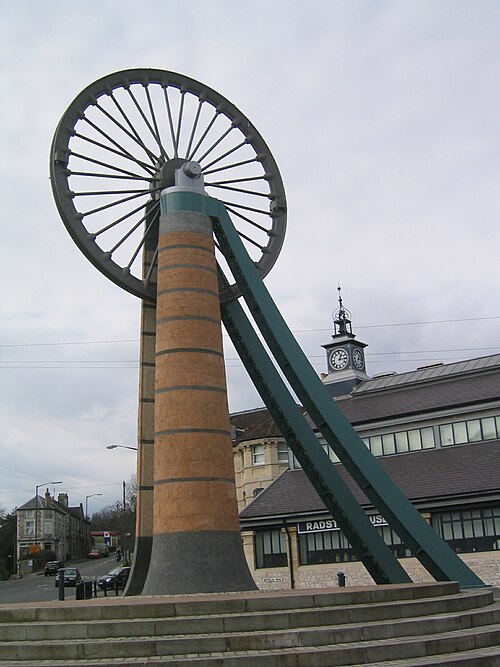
<point>198,562</point>
<point>139,572</point>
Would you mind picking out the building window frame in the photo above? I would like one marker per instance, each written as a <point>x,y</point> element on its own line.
<point>258,457</point>
<point>479,429</point>
<point>471,530</point>
<point>270,549</point>
<point>282,452</point>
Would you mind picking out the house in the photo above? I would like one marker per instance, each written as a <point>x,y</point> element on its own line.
<point>46,524</point>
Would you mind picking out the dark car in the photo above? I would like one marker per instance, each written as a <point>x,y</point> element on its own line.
<point>52,566</point>
<point>71,577</point>
<point>117,578</point>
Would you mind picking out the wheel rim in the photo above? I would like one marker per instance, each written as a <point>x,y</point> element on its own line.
<point>117,145</point>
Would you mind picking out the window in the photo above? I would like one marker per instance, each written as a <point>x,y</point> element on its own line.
<point>270,549</point>
<point>29,527</point>
<point>401,442</point>
<point>331,454</point>
<point>427,435</point>
<point>388,444</point>
<point>472,430</point>
<point>376,445</point>
<point>331,546</point>
<point>459,433</point>
<point>414,440</point>
<point>257,491</point>
<point>470,530</point>
<point>324,547</point>
<point>489,430</point>
<point>257,454</point>
<point>282,452</point>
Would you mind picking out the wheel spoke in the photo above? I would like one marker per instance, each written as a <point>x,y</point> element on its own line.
<point>114,176</point>
<point>230,166</point>
<point>170,121</point>
<point>248,192</point>
<point>236,180</point>
<point>117,221</point>
<point>108,192</point>
<point>151,267</point>
<point>133,132</point>
<point>229,152</point>
<point>195,125</point>
<point>128,234</point>
<point>247,208</point>
<point>153,212</point>
<point>106,164</point>
<point>157,131</point>
<point>250,240</point>
<point>179,121</point>
<point>244,217</point>
<point>105,207</point>
<point>121,150</point>
<point>144,118</point>
<point>207,130</point>
<point>215,144</point>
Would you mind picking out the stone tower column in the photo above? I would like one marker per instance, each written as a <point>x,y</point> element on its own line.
<point>196,539</point>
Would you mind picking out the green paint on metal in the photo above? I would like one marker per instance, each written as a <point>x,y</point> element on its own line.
<point>364,538</point>
<point>434,554</point>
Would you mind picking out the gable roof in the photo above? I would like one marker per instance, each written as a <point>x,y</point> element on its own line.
<point>423,476</point>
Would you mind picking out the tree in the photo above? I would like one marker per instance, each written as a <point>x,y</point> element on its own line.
<point>120,515</point>
<point>8,555</point>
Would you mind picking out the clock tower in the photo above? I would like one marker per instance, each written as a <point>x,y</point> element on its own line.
<point>345,356</point>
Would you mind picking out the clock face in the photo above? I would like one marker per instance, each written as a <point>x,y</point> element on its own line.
<point>339,359</point>
<point>357,358</point>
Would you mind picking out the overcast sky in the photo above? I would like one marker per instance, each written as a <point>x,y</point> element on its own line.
<point>383,119</point>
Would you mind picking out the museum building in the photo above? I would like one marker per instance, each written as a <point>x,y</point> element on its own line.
<point>435,431</point>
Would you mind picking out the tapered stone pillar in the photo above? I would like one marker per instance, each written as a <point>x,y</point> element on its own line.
<point>197,545</point>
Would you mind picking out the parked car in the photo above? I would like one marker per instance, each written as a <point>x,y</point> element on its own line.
<point>95,553</point>
<point>116,578</point>
<point>51,567</point>
<point>71,577</point>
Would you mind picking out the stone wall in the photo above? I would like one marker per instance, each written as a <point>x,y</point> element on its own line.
<point>486,565</point>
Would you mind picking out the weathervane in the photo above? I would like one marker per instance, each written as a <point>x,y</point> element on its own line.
<point>341,318</point>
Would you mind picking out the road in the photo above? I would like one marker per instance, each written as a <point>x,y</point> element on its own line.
<point>38,588</point>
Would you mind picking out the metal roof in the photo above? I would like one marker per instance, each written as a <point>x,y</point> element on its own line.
<point>430,372</point>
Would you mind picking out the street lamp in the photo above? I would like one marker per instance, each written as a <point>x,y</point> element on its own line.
<point>36,506</point>
<point>121,446</point>
<point>86,503</point>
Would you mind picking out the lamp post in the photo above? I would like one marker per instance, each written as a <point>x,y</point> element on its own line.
<point>124,534</point>
<point>86,502</point>
<point>121,446</point>
<point>36,507</point>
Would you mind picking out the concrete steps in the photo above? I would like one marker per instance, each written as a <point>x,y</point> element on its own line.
<point>423,624</point>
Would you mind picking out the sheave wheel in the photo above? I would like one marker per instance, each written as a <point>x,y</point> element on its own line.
<point>118,145</point>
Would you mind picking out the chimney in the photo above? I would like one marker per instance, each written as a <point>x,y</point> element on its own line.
<point>62,499</point>
<point>47,498</point>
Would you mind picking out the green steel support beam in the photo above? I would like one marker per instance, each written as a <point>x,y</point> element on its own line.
<point>334,492</point>
<point>433,553</point>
